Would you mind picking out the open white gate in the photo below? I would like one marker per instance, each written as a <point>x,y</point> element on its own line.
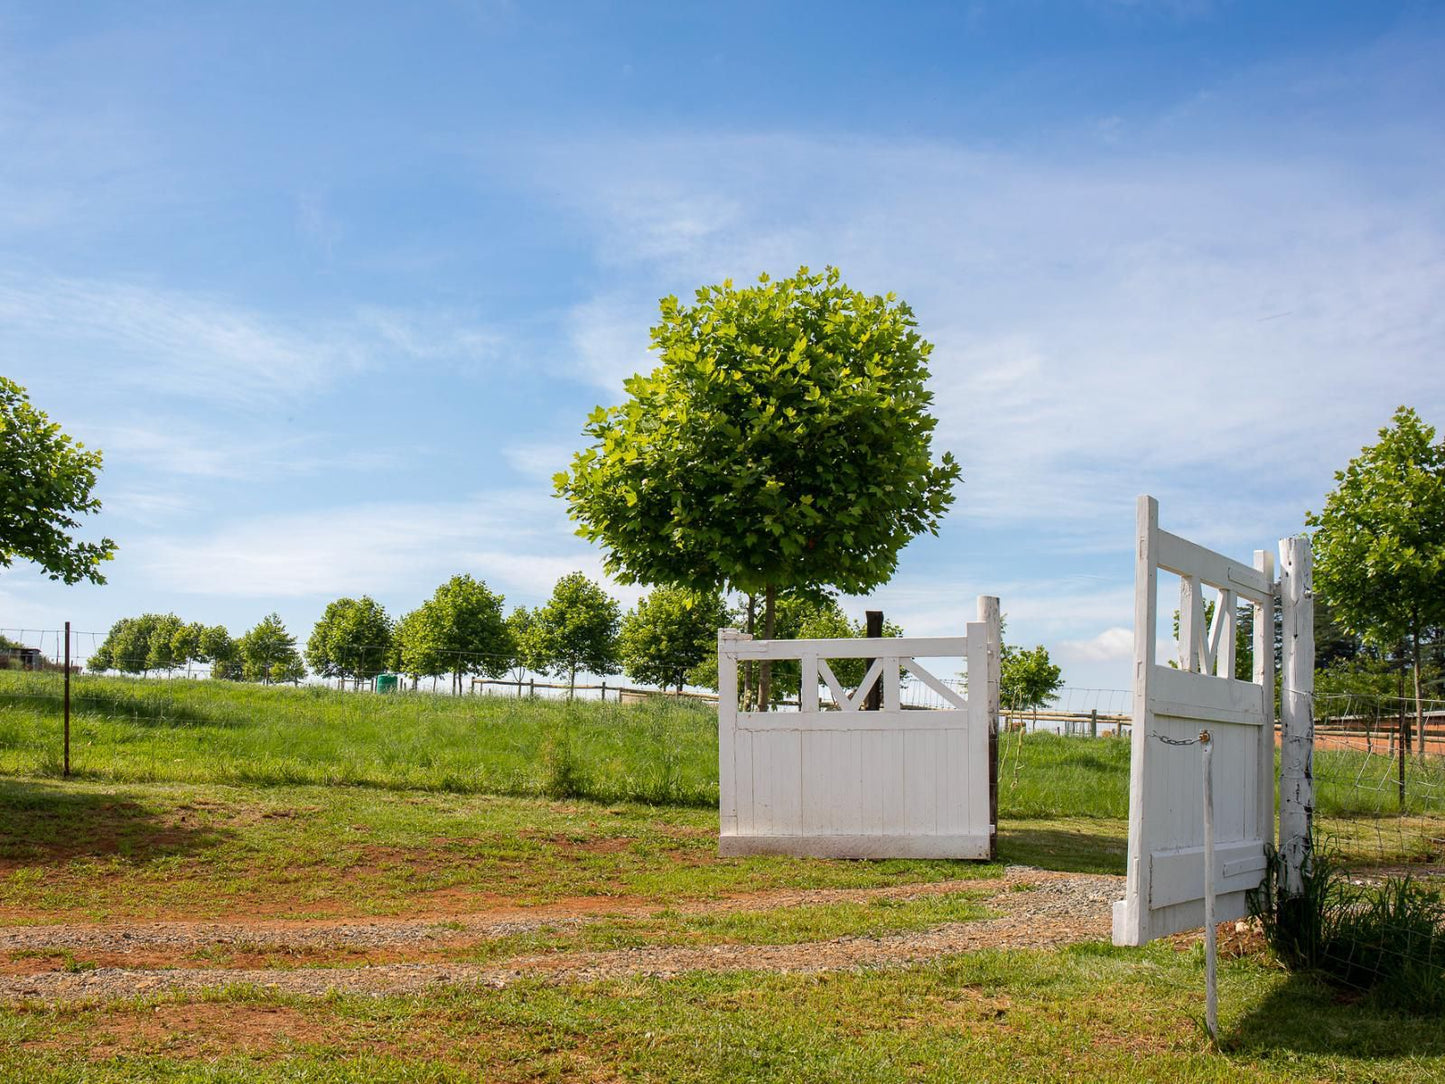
<point>1165,888</point>
<point>832,780</point>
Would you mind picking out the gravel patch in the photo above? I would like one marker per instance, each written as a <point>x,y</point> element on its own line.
<point>1038,909</point>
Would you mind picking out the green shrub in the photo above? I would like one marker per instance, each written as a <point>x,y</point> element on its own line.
<point>1383,938</point>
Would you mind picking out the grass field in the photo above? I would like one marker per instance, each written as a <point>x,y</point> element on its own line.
<point>221,804</point>
<point>665,752</point>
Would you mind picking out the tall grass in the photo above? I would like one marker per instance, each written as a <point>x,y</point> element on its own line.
<point>131,730</point>
<point>663,752</point>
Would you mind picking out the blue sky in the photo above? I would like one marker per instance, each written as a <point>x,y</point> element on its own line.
<point>334,285</point>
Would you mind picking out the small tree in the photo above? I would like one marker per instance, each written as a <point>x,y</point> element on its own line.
<point>352,640</point>
<point>460,630</point>
<point>669,633</point>
<point>520,628</point>
<point>45,484</point>
<point>576,630</point>
<point>1379,542</point>
<point>268,653</point>
<point>1028,678</point>
<point>223,653</point>
<point>138,645</point>
<point>784,442</point>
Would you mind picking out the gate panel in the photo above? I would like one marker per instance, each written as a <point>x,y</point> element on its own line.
<point>1165,889</point>
<point>836,781</point>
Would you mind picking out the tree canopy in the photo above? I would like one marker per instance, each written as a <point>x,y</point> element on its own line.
<point>268,653</point>
<point>668,633</point>
<point>138,645</point>
<point>45,485</point>
<point>352,639</point>
<point>783,441</point>
<point>1379,540</point>
<point>1028,678</point>
<point>576,630</point>
<point>459,630</point>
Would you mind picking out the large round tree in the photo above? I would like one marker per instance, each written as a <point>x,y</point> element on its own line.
<point>45,484</point>
<point>1379,543</point>
<point>784,442</point>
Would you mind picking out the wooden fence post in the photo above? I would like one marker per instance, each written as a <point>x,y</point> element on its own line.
<point>1296,766</point>
<point>873,630</point>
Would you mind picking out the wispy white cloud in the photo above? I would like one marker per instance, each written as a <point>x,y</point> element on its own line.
<point>518,540</point>
<point>609,338</point>
<point>173,343</point>
<point>539,461</point>
<point>1197,324</point>
<point>187,451</point>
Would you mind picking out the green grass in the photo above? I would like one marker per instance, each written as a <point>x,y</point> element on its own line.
<point>78,850</point>
<point>1082,1013</point>
<point>132,730</point>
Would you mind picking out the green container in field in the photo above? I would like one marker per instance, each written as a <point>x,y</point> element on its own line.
<point>386,683</point>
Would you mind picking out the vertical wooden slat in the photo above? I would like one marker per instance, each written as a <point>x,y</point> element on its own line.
<point>988,613</point>
<point>889,679</point>
<point>1191,620</point>
<point>727,719</point>
<point>1226,620</point>
<point>1296,762</point>
<point>1130,914</point>
<point>1264,678</point>
<point>808,684</point>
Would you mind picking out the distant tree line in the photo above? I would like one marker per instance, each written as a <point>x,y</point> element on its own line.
<point>668,640</point>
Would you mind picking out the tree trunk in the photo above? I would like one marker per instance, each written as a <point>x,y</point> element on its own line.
<point>765,671</point>
<point>572,682</point>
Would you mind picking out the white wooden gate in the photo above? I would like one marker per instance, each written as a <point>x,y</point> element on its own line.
<point>1165,889</point>
<point>832,780</point>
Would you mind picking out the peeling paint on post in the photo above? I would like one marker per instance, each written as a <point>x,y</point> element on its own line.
<point>1296,762</point>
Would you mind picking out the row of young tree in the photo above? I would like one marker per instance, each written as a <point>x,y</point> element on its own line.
<point>668,640</point>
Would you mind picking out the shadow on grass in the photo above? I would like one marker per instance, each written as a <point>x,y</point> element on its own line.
<point>55,822</point>
<point>1080,846</point>
<point>136,705</point>
<point>1305,1016</point>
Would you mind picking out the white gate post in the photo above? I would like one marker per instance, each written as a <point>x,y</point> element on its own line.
<point>1297,728</point>
<point>727,722</point>
<point>988,613</point>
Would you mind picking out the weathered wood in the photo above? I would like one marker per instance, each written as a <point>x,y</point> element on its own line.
<point>1296,760</point>
<point>1131,921</point>
<point>1166,880</point>
<point>915,647</point>
<point>851,783</point>
<point>989,614</point>
<point>1185,558</point>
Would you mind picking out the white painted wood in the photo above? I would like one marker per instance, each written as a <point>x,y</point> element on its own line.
<point>1181,694</point>
<point>859,846</point>
<point>915,647</point>
<point>1185,558</point>
<point>727,712</point>
<point>1131,917</point>
<point>1264,681</point>
<point>1296,753</point>
<point>1211,953</point>
<point>835,687</point>
<point>1165,890</point>
<point>945,692</point>
<point>808,685</point>
<point>853,783</point>
<point>986,805</point>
